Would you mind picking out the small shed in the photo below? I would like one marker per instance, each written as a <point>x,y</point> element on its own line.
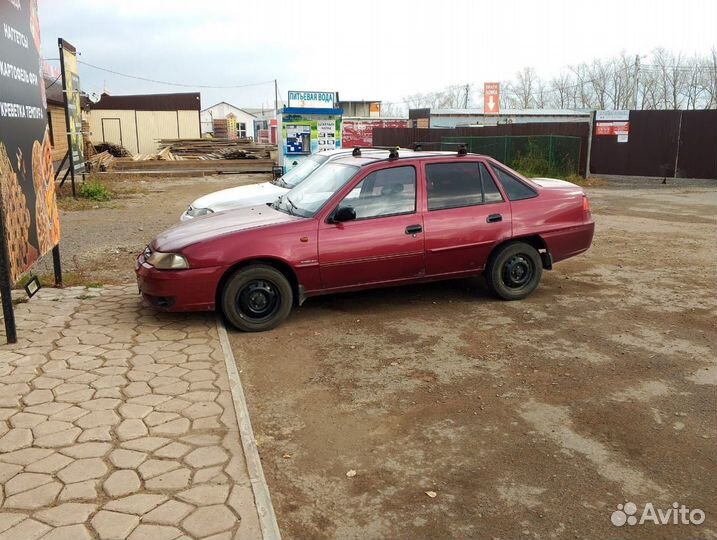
<point>137,122</point>
<point>226,111</point>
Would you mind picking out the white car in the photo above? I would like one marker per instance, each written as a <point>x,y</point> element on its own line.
<point>265,192</point>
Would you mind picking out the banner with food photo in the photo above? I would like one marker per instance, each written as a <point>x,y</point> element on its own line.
<point>30,221</point>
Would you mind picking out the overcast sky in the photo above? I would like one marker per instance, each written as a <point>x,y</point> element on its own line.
<point>363,49</point>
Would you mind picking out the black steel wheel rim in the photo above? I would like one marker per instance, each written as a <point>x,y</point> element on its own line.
<point>518,271</point>
<point>258,300</point>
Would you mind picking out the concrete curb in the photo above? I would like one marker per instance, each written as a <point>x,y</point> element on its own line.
<point>267,518</point>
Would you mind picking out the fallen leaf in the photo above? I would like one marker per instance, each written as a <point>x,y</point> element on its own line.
<point>431,494</point>
<point>286,456</point>
<point>351,473</point>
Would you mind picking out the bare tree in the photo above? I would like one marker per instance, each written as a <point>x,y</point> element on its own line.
<point>664,81</point>
<point>523,87</point>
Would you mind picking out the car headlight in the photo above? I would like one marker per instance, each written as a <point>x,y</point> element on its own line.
<point>167,261</point>
<point>197,212</point>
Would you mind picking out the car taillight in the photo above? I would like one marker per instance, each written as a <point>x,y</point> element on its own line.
<point>586,207</point>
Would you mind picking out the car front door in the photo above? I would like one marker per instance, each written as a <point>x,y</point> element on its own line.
<point>384,243</point>
<point>466,217</point>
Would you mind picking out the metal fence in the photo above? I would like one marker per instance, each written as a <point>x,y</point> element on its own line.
<point>533,155</point>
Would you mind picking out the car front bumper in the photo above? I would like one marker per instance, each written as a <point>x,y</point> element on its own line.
<point>193,289</point>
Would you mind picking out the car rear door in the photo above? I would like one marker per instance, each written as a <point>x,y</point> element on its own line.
<point>385,241</point>
<point>466,216</point>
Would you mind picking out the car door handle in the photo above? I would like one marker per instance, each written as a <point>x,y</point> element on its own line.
<point>413,229</point>
<point>494,218</point>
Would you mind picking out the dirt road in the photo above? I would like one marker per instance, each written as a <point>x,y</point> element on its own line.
<point>530,419</point>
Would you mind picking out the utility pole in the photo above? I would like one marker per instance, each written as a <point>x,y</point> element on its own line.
<point>637,79</point>
<point>465,101</point>
<point>276,98</point>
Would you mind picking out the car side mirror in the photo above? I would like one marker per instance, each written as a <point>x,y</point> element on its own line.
<point>343,213</point>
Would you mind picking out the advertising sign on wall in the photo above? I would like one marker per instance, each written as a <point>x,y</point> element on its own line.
<point>491,98</point>
<point>312,100</point>
<point>73,111</point>
<point>612,128</point>
<point>360,132</point>
<point>28,208</point>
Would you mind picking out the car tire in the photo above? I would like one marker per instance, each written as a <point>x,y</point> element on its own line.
<point>514,271</point>
<point>256,298</point>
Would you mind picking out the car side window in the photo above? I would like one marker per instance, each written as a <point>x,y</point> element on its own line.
<point>453,185</point>
<point>514,188</point>
<point>491,193</point>
<point>388,192</point>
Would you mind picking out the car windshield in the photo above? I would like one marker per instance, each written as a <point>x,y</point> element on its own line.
<point>301,171</point>
<point>309,196</point>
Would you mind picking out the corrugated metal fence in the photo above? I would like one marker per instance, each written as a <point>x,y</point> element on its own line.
<point>680,144</point>
<point>673,144</point>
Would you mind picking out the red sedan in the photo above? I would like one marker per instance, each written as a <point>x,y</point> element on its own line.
<point>366,221</point>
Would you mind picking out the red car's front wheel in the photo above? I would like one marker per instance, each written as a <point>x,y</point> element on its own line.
<point>256,298</point>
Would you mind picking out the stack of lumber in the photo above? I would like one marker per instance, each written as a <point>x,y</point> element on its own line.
<point>225,128</point>
<point>100,162</point>
<point>192,167</point>
<point>215,148</point>
<point>197,157</point>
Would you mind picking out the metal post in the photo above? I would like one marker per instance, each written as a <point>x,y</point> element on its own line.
<point>57,266</point>
<point>276,98</point>
<point>6,287</point>
<point>590,145</point>
<point>637,76</point>
<point>60,43</point>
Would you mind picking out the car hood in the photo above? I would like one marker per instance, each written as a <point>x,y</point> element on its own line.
<point>240,196</point>
<point>220,224</point>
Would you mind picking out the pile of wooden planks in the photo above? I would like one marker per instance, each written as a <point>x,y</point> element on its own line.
<point>216,148</point>
<point>192,167</point>
<point>194,157</point>
<point>100,162</point>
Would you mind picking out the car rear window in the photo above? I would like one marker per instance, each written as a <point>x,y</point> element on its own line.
<point>514,188</point>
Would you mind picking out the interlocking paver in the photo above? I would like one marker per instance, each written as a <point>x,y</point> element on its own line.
<point>137,504</point>
<point>114,525</point>
<point>114,422</point>
<point>122,482</point>
<point>66,514</point>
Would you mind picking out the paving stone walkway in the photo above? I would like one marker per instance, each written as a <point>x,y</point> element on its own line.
<point>117,422</point>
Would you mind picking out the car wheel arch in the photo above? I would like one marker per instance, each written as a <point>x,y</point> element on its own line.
<point>536,241</point>
<point>282,266</point>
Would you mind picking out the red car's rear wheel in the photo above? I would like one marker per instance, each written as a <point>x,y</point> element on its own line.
<point>514,271</point>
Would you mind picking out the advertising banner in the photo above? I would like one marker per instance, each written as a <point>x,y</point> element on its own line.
<point>312,100</point>
<point>29,220</point>
<point>491,98</point>
<point>360,132</point>
<point>612,128</point>
<point>73,110</point>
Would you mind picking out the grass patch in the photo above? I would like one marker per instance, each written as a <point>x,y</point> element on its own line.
<point>94,191</point>
<point>98,191</point>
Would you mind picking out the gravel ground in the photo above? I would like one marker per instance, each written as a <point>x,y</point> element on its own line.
<point>529,419</point>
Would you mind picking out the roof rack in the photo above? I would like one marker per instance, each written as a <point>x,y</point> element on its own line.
<point>462,148</point>
<point>393,150</point>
